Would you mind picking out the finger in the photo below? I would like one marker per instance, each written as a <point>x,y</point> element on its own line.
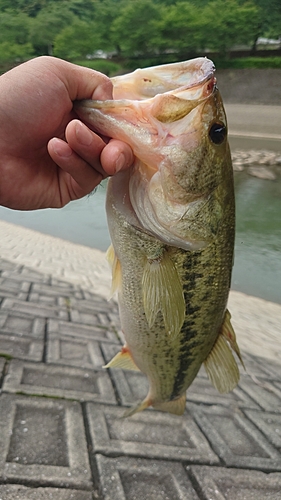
<point>81,82</point>
<point>116,156</point>
<point>109,158</point>
<point>77,178</point>
<point>86,143</point>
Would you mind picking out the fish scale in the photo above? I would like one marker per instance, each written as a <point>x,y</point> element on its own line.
<point>171,219</point>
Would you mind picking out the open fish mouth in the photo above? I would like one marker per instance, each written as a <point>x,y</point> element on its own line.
<point>164,113</point>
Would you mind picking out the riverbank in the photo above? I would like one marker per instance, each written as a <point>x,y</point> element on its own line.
<point>256,321</point>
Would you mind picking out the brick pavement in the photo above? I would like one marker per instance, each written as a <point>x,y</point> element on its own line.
<point>60,432</point>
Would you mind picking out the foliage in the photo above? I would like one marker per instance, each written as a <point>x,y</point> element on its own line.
<point>14,29</point>
<point>133,31</point>
<point>15,52</point>
<point>249,62</point>
<point>109,68</point>
<point>76,40</point>
<point>228,23</point>
<point>180,27</point>
<point>152,31</point>
<point>47,24</point>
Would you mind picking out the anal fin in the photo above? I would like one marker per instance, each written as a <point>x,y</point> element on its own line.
<point>163,291</point>
<point>122,359</point>
<point>221,366</point>
<point>228,332</point>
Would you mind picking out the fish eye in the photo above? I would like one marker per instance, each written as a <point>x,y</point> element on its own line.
<point>217,133</point>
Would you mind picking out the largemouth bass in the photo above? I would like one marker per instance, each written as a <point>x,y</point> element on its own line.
<point>171,219</point>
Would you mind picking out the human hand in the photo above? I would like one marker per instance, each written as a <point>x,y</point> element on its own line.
<point>47,156</point>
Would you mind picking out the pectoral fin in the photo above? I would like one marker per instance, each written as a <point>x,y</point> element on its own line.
<point>221,366</point>
<point>124,360</point>
<point>116,270</point>
<point>163,291</point>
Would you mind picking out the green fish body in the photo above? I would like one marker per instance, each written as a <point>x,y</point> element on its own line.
<point>171,219</point>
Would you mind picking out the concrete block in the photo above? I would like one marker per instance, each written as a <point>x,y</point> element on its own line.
<point>33,309</point>
<point>235,439</point>
<point>256,366</point>
<point>94,305</point>
<point>14,288</point>
<point>216,483</point>
<point>62,290</point>
<point>59,381</point>
<point>94,332</point>
<point>273,368</point>
<point>263,392</point>
<point>139,479</point>
<point>202,391</point>
<point>42,443</point>
<point>269,424</point>
<point>148,434</point>
<point>70,351</point>
<point>26,348</point>
<point>131,386</point>
<point>21,273</point>
<point>2,364</point>
<point>15,491</point>
<point>16,324</point>
<point>6,265</point>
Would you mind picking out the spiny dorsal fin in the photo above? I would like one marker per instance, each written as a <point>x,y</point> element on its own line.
<point>116,270</point>
<point>122,359</point>
<point>228,332</point>
<point>162,291</point>
<point>221,366</point>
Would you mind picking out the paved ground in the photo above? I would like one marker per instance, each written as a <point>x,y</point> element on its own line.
<point>253,126</point>
<point>60,432</point>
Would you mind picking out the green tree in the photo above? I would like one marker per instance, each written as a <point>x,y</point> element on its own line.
<point>14,28</point>
<point>227,23</point>
<point>180,27</point>
<point>134,30</point>
<point>15,52</point>
<point>28,7</point>
<point>47,24</point>
<point>76,41</point>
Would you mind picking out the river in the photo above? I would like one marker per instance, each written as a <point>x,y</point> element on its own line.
<point>257,267</point>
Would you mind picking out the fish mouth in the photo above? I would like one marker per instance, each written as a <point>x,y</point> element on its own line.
<point>149,82</point>
<point>158,112</point>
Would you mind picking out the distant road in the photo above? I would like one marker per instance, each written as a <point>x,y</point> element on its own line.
<point>257,126</point>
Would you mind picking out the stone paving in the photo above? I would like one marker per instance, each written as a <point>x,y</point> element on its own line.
<point>61,435</point>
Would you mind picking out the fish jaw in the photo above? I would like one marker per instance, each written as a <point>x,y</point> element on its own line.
<point>148,82</point>
<point>169,136</point>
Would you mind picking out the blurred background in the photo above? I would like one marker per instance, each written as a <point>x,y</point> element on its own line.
<point>243,38</point>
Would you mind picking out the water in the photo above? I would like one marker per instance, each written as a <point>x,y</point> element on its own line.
<point>257,268</point>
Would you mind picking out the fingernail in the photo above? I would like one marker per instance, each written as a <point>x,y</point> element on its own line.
<point>120,163</point>
<point>83,134</point>
<point>61,148</point>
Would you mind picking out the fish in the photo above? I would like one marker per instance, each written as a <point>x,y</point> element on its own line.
<point>171,219</point>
